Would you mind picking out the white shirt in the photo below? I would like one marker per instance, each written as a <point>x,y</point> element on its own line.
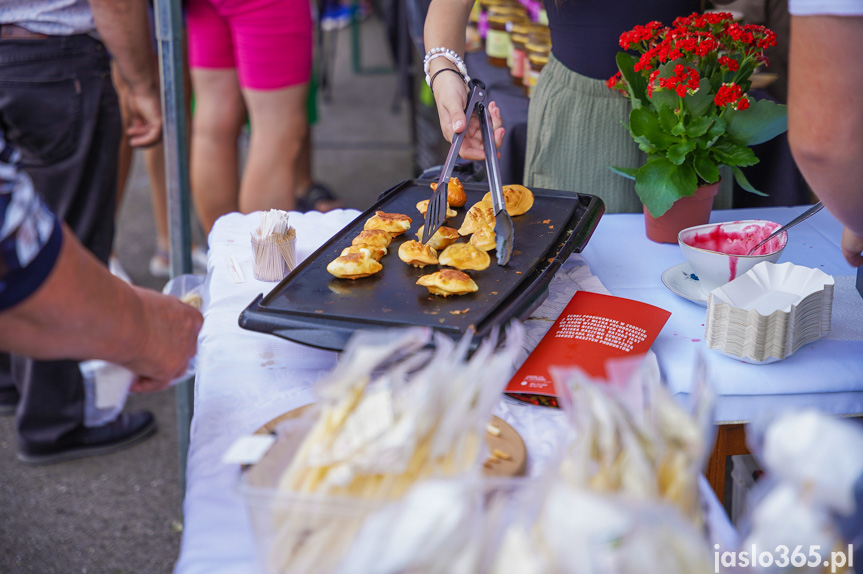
<point>51,17</point>
<point>825,7</point>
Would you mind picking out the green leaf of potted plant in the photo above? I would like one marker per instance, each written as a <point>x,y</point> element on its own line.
<point>690,110</point>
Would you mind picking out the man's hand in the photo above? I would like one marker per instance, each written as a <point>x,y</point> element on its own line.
<point>124,28</point>
<point>852,247</point>
<point>145,118</point>
<point>169,338</point>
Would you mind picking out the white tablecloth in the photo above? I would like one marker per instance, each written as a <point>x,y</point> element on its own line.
<point>246,379</point>
<point>827,374</point>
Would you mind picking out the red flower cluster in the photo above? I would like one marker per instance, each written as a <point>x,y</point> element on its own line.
<point>701,20</point>
<point>680,82</point>
<point>729,63</point>
<point>651,82</point>
<point>616,82</point>
<point>731,95</point>
<point>678,44</point>
<point>695,38</point>
<point>639,34</point>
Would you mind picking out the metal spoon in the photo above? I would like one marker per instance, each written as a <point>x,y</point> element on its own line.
<point>802,217</point>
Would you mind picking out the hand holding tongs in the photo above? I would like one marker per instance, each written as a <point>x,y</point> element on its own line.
<point>437,207</point>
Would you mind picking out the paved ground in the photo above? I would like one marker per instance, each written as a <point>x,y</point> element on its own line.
<point>122,513</point>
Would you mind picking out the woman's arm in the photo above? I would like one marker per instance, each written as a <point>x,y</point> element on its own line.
<point>445,27</point>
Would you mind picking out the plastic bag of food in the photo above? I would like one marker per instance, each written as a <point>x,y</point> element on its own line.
<point>580,531</point>
<point>634,438</point>
<point>807,513</point>
<point>106,387</point>
<point>395,414</point>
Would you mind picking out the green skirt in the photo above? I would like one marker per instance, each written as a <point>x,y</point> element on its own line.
<point>576,129</point>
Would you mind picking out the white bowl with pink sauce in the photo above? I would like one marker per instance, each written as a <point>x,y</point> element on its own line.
<point>718,252</point>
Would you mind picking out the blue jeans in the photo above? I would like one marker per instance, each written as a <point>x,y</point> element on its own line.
<point>59,107</point>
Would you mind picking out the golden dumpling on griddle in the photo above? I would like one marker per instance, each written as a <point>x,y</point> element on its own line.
<point>353,266</point>
<point>478,215</point>
<point>375,237</point>
<point>484,238</point>
<point>392,223</point>
<point>455,194</point>
<point>373,251</point>
<point>464,256</point>
<point>416,254</point>
<point>423,206</point>
<point>448,282</point>
<point>442,237</point>
<point>518,199</point>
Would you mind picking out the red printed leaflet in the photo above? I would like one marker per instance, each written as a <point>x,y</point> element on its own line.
<point>591,329</point>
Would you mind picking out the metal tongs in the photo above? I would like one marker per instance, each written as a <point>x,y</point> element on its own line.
<point>437,207</point>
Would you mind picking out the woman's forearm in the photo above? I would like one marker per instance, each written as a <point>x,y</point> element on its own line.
<point>445,27</point>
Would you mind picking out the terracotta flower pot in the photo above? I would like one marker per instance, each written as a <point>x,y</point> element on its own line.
<point>686,212</point>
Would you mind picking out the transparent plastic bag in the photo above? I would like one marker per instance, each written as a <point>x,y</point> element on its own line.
<point>190,289</point>
<point>811,498</point>
<point>633,437</point>
<point>106,387</point>
<point>397,423</point>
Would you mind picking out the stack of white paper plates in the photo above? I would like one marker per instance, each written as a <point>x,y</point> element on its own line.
<point>769,312</point>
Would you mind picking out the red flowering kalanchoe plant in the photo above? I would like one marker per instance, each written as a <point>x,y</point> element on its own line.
<point>690,109</point>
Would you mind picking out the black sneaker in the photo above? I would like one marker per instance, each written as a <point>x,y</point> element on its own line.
<point>127,430</point>
<point>8,401</point>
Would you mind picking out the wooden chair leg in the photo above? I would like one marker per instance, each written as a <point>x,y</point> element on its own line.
<point>730,441</point>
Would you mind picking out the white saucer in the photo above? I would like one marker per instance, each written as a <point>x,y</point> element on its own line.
<point>681,281</point>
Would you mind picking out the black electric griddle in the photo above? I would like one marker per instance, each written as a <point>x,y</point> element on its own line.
<point>312,307</point>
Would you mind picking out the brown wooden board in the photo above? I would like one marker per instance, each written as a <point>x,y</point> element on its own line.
<point>312,307</point>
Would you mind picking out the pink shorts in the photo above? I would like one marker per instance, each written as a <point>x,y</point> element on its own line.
<point>269,42</point>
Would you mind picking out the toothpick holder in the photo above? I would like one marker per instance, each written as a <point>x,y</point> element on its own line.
<point>275,255</point>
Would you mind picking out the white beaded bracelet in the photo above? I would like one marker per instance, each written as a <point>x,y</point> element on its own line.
<point>450,55</point>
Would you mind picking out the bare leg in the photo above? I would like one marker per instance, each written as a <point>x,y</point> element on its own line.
<point>304,181</point>
<point>279,127</point>
<point>125,162</point>
<point>214,163</point>
<point>304,166</point>
<point>154,158</point>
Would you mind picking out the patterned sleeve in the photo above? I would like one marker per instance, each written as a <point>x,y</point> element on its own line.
<point>30,234</point>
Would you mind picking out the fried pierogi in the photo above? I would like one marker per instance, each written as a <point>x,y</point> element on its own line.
<point>416,254</point>
<point>464,256</point>
<point>374,252</point>
<point>448,282</point>
<point>423,206</point>
<point>393,223</point>
<point>442,237</point>
<point>455,195</point>
<point>375,237</point>
<point>484,238</point>
<point>479,215</point>
<point>353,266</point>
<point>518,199</point>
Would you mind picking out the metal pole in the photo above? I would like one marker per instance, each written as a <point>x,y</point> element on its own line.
<point>169,33</point>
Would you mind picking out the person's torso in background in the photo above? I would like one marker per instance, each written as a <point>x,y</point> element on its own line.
<point>585,33</point>
<point>51,17</point>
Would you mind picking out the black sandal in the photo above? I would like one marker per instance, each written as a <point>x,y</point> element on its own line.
<point>316,194</point>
